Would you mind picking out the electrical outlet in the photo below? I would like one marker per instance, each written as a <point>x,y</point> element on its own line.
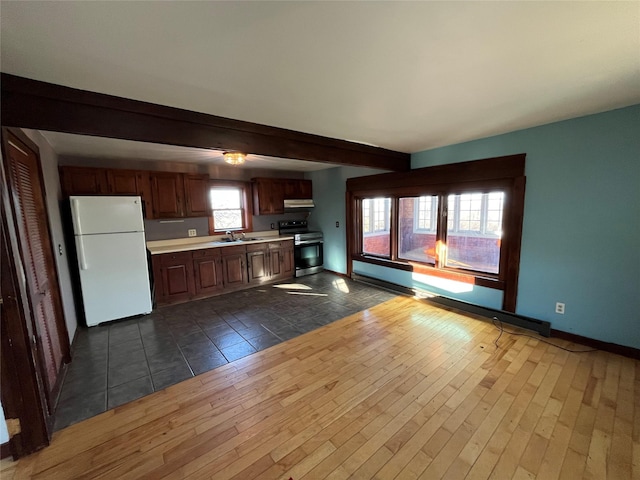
<point>273,226</point>
<point>192,232</point>
<point>337,224</point>
<point>560,308</point>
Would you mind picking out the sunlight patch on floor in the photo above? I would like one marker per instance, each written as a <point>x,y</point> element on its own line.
<point>341,285</point>
<point>293,286</point>
<point>309,294</point>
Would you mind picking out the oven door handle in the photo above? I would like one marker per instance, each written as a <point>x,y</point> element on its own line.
<point>308,242</point>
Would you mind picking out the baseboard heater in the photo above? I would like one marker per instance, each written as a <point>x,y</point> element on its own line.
<point>539,326</point>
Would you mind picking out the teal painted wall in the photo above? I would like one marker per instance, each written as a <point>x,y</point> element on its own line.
<point>329,188</point>
<point>581,233</point>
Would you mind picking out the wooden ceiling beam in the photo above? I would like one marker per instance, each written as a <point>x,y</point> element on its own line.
<point>45,106</point>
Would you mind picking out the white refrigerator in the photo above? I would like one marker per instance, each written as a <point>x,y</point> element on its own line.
<point>112,257</point>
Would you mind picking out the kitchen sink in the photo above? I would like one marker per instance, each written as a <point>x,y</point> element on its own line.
<point>252,239</point>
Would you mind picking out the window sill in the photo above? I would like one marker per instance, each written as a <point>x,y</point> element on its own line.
<point>475,279</point>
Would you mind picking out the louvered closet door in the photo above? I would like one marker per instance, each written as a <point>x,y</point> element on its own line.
<point>37,258</point>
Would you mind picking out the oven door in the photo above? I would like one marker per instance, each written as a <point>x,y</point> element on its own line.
<point>308,257</point>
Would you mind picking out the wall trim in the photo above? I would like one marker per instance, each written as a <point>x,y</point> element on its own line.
<point>623,350</point>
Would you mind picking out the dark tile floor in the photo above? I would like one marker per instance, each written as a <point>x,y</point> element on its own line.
<point>121,361</point>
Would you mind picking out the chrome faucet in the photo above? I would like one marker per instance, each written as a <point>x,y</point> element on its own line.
<point>230,234</point>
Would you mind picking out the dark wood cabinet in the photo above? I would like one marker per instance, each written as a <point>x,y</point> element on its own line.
<point>258,267</point>
<point>234,269</point>
<point>167,191</point>
<point>179,277</point>
<point>173,276</point>
<point>123,182</point>
<point>83,181</point>
<point>196,189</point>
<point>269,193</point>
<point>131,182</point>
<point>164,194</point>
<point>281,260</point>
<point>207,269</point>
<point>305,189</point>
<point>268,196</point>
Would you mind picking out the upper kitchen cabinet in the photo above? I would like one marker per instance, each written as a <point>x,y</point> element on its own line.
<point>268,196</point>
<point>131,182</point>
<point>297,189</point>
<point>179,195</point>
<point>83,181</point>
<point>196,188</point>
<point>269,193</point>
<point>167,192</point>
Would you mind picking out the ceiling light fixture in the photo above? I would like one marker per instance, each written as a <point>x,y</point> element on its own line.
<point>234,158</point>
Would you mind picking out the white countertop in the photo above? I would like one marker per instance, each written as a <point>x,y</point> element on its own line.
<point>156,247</point>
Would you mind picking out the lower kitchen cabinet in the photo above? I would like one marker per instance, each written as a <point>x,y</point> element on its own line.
<point>258,263</point>
<point>179,277</point>
<point>207,270</point>
<point>281,260</point>
<point>173,275</point>
<point>234,267</point>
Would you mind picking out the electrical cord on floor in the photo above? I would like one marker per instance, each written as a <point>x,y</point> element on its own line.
<point>500,327</point>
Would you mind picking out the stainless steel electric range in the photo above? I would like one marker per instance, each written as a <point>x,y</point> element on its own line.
<point>307,246</point>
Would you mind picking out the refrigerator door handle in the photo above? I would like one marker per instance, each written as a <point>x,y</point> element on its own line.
<point>81,255</point>
<point>76,215</point>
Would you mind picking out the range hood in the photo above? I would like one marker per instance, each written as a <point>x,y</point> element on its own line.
<point>298,204</point>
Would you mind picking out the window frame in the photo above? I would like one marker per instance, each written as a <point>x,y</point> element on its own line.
<point>504,174</point>
<point>246,205</point>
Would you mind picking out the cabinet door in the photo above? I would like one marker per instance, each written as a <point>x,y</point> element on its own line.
<point>168,195</point>
<point>196,190</point>
<point>176,277</point>
<point>234,269</point>
<point>281,260</point>
<point>208,274</point>
<point>258,264</point>
<point>83,181</point>
<point>132,182</point>
<point>305,189</point>
<point>275,262</point>
<point>122,182</point>
<point>288,265</point>
<point>268,196</point>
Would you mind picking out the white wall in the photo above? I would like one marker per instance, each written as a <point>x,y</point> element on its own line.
<point>53,191</point>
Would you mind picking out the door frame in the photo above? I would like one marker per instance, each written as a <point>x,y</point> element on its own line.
<point>23,372</point>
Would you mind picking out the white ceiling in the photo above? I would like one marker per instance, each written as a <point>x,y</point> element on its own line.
<point>407,76</point>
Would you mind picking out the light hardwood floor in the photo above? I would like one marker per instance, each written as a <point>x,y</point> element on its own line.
<point>403,390</point>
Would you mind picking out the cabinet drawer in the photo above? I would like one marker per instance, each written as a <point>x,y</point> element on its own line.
<point>207,252</point>
<point>282,244</point>
<point>256,247</point>
<point>168,259</point>
<point>233,250</point>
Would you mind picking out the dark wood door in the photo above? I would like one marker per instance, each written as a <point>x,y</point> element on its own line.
<point>196,190</point>
<point>22,391</point>
<point>208,272</point>
<point>176,277</point>
<point>234,270</point>
<point>83,181</point>
<point>305,189</point>
<point>122,182</point>
<point>51,337</point>
<point>132,182</point>
<point>281,260</point>
<point>268,196</point>
<point>168,195</point>
<point>258,265</point>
